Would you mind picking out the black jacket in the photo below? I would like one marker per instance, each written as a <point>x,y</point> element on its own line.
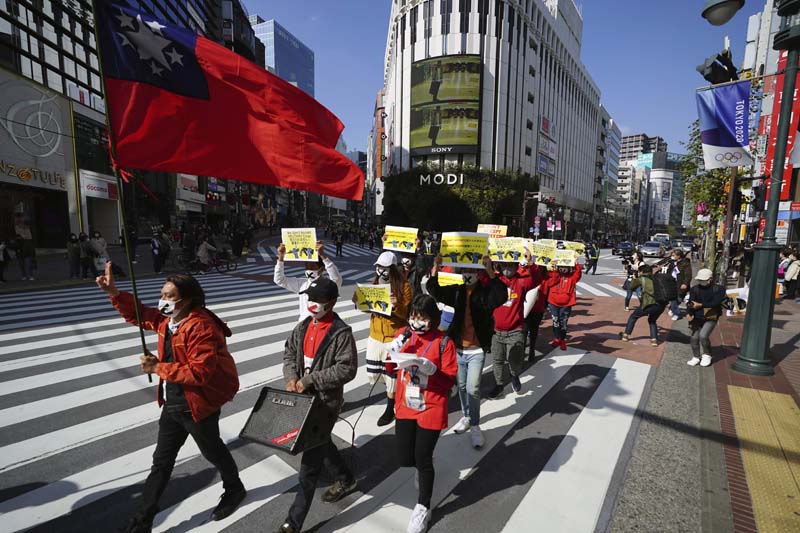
<point>684,274</point>
<point>711,296</point>
<point>483,301</point>
<point>419,270</point>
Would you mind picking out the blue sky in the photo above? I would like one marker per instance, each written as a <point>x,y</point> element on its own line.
<point>641,53</point>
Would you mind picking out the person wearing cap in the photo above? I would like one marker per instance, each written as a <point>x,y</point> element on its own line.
<point>705,308</point>
<point>314,271</point>
<point>320,357</point>
<point>415,266</point>
<point>382,328</point>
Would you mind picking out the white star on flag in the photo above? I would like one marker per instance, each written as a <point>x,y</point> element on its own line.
<point>149,43</point>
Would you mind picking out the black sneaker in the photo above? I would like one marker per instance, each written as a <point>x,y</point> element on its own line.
<point>496,392</point>
<point>386,418</point>
<point>228,503</point>
<point>138,524</point>
<point>338,490</point>
<point>516,384</point>
<point>285,528</point>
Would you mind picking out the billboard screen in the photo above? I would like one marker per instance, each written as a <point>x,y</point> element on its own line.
<point>445,105</point>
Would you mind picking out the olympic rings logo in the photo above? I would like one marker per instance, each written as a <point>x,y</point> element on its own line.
<point>728,156</point>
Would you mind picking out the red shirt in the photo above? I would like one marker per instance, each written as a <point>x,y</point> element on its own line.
<point>436,391</point>
<point>317,329</point>
<point>509,316</point>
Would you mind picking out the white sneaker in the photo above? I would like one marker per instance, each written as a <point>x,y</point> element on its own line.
<point>669,312</point>
<point>476,437</point>
<point>462,425</point>
<point>694,361</point>
<point>675,318</point>
<point>705,360</point>
<point>419,519</point>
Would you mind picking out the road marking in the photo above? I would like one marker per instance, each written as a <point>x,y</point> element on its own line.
<point>262,252</point>
<point>591,289</point>
<point>615,290</point>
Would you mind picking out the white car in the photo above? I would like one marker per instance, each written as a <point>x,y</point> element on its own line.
<point>652,249</point>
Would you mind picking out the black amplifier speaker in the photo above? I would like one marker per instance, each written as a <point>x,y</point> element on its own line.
<point>288,421</point>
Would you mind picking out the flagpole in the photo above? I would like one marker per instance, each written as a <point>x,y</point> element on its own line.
<point>112,147</point>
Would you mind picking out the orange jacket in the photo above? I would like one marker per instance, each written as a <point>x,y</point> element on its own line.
<point>202,363</point>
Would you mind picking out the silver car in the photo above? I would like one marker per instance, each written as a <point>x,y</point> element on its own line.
<point>652,249</point>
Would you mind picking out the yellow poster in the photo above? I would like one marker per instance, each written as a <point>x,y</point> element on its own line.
<point>494,230</point>
<point>448,278</point>
<point>542,254</point>
<point>400,239</point>
<point>374,298</point>
<point>463,249</point>
<point>578,247</point>
<point>547,242</point>
<point>300,244</point>
<point>507,249</point>
<point>565,258</point>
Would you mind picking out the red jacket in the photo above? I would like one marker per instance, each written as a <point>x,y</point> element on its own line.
<point>437,391</point>
<point>202,363</point>
<point>510,315</point>
<point>562,287</point>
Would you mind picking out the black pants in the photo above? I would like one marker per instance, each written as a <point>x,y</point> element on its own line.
<point>532,323</point>
<point>415,448</point>
<point>157,263</point>
<point>592,266</point>
<point>87,266</point>
<point>790,289</point>
<point>311,464</point>
<point>652,312</point>
<point>173,428</point>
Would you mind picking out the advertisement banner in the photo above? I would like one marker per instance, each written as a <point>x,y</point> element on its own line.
<point>565,258</point>
<point>494,230</point>
<point>463,249</point>
<point>448,278</point>
<point>400,239</point>
<point>445,105</point>
<point>506,249</point>
<point>300,244</point>
<point>542,254</point>
<point>772,132</point>
<point>99,188</point>
<point>374,298</point>
<point>724,132</point>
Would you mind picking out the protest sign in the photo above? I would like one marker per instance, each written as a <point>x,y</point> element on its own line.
<point>542,254</point>
<point>374,298</point>
<point>507,249</point>
<point>493,230</point>
<point>565,258</point>
<point>300,244</point>
<point>463,249</point>
<point>448,278</point>
<point>547,242</point>
<point>578,247</point>
<point>400,239</point>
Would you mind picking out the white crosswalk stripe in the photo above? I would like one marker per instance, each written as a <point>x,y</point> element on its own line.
<point>78,421</point>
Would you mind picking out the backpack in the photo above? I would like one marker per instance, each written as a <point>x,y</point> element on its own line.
<point>665,288</point>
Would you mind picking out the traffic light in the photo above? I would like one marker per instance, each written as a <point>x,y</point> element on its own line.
<point>718,68</point>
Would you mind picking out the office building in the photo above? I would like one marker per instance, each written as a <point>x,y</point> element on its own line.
<point>632,146</point>
<point>285,55</point>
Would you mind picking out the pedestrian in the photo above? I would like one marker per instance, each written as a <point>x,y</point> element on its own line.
<point>632,266</point>
<point>25,248</point>
<point>100,246</point>
<point>197,376</point>
<point>561,286</point>
<point>204,253</point>
<point>471,330</point>
<point>314,271</point>
<point>158,248</point>
<point>782,264</point>
<point>382,328</point>
<point>339,242</point>
<point>423,389</point>
<point>593,257</point>
<point>87,256</point>
<point>5,257</point>
<point>74,256</point>
<point>508,341</point>
<point>705,308</point>
<point>682,272</point>
<point>790,277</point>
<point>320,357</point>
<point>648,306</point>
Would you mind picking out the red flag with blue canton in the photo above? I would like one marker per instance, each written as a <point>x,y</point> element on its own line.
<point>178,102</point>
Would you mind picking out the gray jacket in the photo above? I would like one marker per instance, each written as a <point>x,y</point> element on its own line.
<point>335,362</point>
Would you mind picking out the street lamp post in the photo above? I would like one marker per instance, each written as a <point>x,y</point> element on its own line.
<point>753,357</point>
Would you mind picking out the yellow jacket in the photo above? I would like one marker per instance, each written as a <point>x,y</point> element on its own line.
<point>384,328</point>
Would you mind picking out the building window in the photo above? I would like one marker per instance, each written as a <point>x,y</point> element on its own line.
<point>50,56</point>
<point>466,7</point>
<point>528,151</point>
<point>532,71</point>
<point>54,81</point>
<point>413,23</point>
<point>532,44</point>
<point>483,15</point>
<point>530,97</point>
<point>529,124</point>
<point>446,7</point>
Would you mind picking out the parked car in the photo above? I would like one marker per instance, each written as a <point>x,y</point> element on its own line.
<point>652,249</point>
<point>622,248</point>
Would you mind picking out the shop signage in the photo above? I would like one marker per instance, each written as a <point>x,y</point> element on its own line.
<point>441,179</point>
<point>548,147</point>
<point>99,188</point>
<point>12,173</point>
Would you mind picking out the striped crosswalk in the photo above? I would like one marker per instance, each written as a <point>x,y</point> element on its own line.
<point>79,424</point>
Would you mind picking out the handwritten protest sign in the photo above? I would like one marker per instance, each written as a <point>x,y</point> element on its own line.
<point>374,298</point>
<point>300,244</point>
<point>507,249</point>
<point>494,230</point>
<point>448,278</point>
<point>565,258</point>
<point>463,249</point>
<point>542,254</point>
<point>399,239</point>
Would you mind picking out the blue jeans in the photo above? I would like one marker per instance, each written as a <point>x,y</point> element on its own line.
<point>470,368</point>
<point>560,318</point>
<point>631,292</point>
<point>674,306</point>
<point>652,312</point>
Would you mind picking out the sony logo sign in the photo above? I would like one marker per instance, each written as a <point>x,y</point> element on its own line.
<point>441,179</point>
<point>441,149</point>
<point>281,401</point>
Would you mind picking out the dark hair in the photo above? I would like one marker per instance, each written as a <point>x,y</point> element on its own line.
<point>424,304</point>
<point>646,269</point>
<point>397,280</point>
<point>678,252</point>
<point>189,289</point>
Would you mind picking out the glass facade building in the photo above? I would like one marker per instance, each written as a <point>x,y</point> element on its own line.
<point>285,54</point>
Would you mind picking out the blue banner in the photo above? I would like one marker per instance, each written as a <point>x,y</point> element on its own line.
<point>724,130</point>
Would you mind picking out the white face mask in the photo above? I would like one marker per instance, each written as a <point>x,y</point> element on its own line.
<point>382,273</point>
<point>312,274</point>
<point>406,262</point>
<point>705,283</point>
<point>316,309</point>
<point>470,278</point>
<point>508,272</point>
<point>167,307</point>
<point>420,326</point>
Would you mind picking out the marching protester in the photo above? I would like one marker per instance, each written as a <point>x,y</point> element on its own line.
<point>533,320</point>
<point>648,306</point>
<point>508,342</point>
<point>314,271</point>
<point>471,331</point>
<point>632,266</point>
<point>74,256</point>
<point>382,328</point>
<point>423,389</point>
<point>682,272</point>
<point>414,266</point>
<point>197,376</point>
<point>705,308</point>
<point>320,358</point>
<point>560,285</point>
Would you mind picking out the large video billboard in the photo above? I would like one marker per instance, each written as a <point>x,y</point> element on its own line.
<point>445,105</point>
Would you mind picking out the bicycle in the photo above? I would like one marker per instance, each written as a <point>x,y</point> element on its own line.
<point>221,262</point>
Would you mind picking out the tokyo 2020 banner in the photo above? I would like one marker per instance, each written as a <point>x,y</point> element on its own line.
<point>724,129</point>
